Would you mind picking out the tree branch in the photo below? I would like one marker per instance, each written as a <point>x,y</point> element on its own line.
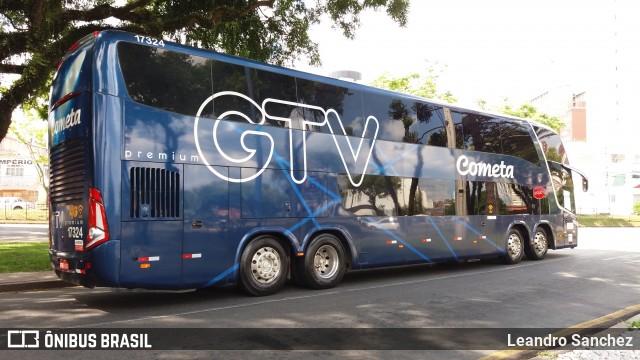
<point>13,43</point>
<point>11,69</point>
<point>101,12</point>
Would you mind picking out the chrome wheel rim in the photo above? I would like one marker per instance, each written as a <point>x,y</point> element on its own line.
<point>540,243</point>
<point>326,262</point>
<point>266,265</point>
<point>514,245</point>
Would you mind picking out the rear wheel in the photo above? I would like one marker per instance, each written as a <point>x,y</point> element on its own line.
<point>538,248</point>
<point>264,266</point>
<point>515,248</point>
<point>324,263</point>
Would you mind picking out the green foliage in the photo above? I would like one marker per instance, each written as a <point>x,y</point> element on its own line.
<point>34,34</point>
<point>526,111</point>
<point>423,85</point>
<point>32,132</point>
<point>608,221</point>
<point>636,209</point>
<point>24,256</point>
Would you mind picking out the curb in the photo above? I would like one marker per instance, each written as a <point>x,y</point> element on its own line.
<point>34,285</point>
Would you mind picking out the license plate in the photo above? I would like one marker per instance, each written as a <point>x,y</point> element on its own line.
<point>64,265</point>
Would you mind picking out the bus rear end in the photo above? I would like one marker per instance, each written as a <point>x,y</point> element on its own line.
<point>77,217</point>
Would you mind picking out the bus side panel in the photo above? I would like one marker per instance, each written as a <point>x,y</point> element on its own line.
<point>206,217</point>
<point>106,264</point>
<point>151,254</point>
<point>152,226</point>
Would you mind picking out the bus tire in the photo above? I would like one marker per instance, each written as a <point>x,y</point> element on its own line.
<point>515,247</point>
<point>324,263</point>
<point>264,266</point>
<point>538,248</point>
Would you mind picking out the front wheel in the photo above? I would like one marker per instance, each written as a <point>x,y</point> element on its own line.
<point>264,266</point>
<point>538,249</point>
<point>324,263</point>
<point>515,247</point>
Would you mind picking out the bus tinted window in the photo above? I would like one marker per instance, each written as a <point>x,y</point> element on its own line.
<point>392,114</point>
<point>517,141</point>
<point>164,79</point>
<point>278,88</point>
<point>476,197</point>
<point>552,145</point>
<point>457,117</point>
<point>230,77</point>
<point>515,199</point>
<point>347,103</point>
<point>433,197</point>
<point>377,196</point>
<point>429,127</point>
<point>481,133</point>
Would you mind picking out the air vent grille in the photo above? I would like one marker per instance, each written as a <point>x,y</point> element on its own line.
<point>155,193</point>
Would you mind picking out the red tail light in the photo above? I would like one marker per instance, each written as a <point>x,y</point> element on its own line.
<point>98,228</point>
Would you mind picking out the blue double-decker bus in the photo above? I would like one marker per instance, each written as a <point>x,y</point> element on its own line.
<point>174,167</point>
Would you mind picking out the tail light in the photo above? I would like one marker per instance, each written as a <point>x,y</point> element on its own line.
<point>98,228</point>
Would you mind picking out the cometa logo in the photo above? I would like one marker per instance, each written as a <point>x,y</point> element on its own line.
<point>466,167</point>
<point>67,122</point>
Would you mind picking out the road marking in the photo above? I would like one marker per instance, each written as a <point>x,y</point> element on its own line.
<point>621,257</point>
<point>616,316</point>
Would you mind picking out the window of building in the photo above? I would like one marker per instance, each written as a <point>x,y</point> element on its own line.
<point>15,170</point>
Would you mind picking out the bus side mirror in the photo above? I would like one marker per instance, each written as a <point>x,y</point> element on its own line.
<point>585,184</point>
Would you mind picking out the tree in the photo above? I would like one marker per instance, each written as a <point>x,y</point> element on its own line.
<point>32,132</point>
<point>423,85</point>
<point>34,34</point>
<point>526,111</point>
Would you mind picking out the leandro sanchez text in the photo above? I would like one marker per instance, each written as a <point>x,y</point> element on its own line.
<point>551,341</point>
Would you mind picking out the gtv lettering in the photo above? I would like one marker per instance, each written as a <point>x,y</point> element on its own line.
<point>371,124</point>
<point>466,167</point>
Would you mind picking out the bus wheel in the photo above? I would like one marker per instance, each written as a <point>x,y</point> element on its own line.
<point>539,247</point>
<point>515,248</point>
<point>324,263</point>
<point>264,266</point>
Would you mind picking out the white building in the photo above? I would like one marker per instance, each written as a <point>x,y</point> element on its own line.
<point>18,172</point>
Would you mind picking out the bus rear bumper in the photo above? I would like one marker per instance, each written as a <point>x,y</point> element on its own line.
<point>99,267</point>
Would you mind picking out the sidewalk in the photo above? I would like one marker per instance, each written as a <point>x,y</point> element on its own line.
<point>26,281</point>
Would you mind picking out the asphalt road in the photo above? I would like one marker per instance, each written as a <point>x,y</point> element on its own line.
<point>569,287</point>
<point>24,232</point>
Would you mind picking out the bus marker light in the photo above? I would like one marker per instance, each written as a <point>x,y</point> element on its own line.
<point>145,266</point>
<point>400,246</point>
<point>426,240</point>
<point>191,256</point>
<point>300,254</point>
<point>391,242</point>
<point>64,264</point>
<point>149,258</point>
<point>457,238</point>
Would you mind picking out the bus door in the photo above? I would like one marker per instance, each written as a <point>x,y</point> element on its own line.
<point>151,248</point>
<point>206,217</point>
<point>490,237</point>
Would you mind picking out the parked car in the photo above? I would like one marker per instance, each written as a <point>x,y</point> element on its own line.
<point>14,203</point>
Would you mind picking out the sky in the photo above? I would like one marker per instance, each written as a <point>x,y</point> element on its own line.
<point>492,49</point>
